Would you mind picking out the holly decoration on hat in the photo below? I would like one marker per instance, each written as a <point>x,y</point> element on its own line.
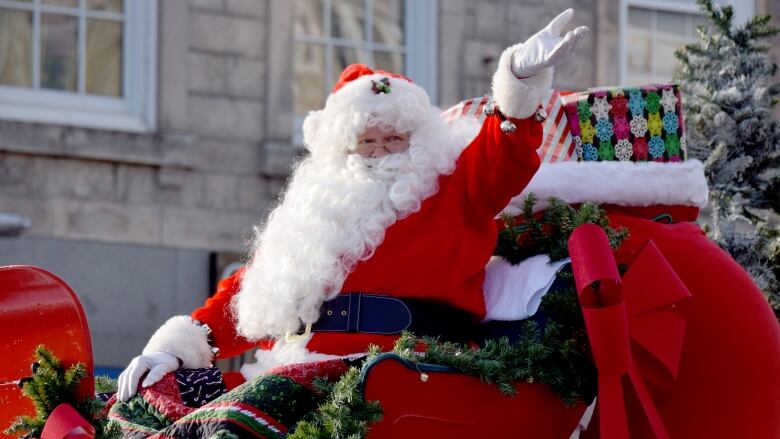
<point>381,86</point>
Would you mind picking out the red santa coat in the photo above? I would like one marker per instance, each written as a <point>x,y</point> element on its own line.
<point>438,253</point>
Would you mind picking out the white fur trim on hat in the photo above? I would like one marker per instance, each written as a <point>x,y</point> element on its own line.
<point>180,336</point>
<point>618,183</point>
<point>519,98</point>
<point>351,109</point>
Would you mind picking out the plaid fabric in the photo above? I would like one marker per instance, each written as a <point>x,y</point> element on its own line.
<point>557,144</point>
<point>193,403</point>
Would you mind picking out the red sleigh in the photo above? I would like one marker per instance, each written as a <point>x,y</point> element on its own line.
<point>37,307</point>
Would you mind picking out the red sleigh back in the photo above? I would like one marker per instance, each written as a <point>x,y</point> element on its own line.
<point>36,307</point>
<point>454,405</point>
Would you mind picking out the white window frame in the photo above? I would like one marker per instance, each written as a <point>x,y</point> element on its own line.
<point>743,11</point>
<point>135,111</point>
<point>420,31</point>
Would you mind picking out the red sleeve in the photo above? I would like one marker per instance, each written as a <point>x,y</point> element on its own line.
<point>216,313</point>
<point>497,165</point>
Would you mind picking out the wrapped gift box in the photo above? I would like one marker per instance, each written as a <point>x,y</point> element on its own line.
<point>627,123</point>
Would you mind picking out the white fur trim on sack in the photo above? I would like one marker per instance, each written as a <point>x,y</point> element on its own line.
<point>180,336</point>
<point>519,98</point>
<point>618,183</point>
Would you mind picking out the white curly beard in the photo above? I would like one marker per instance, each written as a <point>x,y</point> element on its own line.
<point>333,215</point>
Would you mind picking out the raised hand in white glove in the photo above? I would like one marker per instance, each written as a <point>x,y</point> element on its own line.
<point>158,364</point>
<point>547,47</point>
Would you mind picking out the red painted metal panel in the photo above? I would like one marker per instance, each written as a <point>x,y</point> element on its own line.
<point>36,307</point>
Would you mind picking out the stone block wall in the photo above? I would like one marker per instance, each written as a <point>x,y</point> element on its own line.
<point>131,220</point>
<point>195,183</point>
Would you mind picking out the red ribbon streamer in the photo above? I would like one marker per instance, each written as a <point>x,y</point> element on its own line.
<point>623,315</point>
<point>66,422</point>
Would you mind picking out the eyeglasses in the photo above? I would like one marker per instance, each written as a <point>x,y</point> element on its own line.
<point>371,146</point>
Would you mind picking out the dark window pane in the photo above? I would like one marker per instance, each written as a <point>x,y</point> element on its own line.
<point>309,88</point>
<point>671,23</point>
<point>389,61</point>
<point>344,56</point>
<point>349,20</point>
<point>388,22</point>
<point>640,18</point>
<point>69,3</point>
<point>640,51</point>
<point>15,48</point>
<point>105,5</point>
<point>104,57</point>
<point>308,17</point>
<point>59,52</point>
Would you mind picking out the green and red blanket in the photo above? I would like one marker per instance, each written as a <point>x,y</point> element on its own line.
<point>196,404</point>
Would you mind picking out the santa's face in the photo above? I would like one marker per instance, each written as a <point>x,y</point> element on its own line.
<point>376,141</point>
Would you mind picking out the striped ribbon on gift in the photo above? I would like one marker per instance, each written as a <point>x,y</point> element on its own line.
<point>557,144</point>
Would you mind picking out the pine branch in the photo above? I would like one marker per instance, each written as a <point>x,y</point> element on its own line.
<point>549,232</point>
<point>52,385</point>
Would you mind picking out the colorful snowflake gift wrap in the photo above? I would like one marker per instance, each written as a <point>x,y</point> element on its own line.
<point>627,123</point>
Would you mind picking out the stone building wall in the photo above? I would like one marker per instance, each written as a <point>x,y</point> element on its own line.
<point>196,182</point>
<point>132,221</point>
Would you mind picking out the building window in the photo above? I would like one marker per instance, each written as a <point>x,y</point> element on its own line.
<point>330,35</point>
<point>652,30</point>
<point>79,62</point>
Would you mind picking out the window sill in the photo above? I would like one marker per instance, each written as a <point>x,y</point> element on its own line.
<point>70,109</point>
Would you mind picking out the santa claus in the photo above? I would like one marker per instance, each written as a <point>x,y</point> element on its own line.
<point>385,226</point>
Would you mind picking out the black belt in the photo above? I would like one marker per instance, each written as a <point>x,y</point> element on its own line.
<point>376,314</point>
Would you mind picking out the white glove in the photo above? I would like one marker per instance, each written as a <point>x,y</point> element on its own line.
<point>547,47</point>
<point>157,363</point>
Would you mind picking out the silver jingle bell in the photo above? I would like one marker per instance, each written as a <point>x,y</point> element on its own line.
<point>508,127</point>
<point>490,108</point>
<point>540,115</point>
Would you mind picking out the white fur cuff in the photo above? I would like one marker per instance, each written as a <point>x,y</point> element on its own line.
<point>180,336</point>
<point>618,183</point>
<point>519,98</point>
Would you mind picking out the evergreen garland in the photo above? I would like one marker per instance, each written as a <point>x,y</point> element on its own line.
<point>52,385</point>
<point>345,414</point>
<point>727,80</point>
<point>548,232</point>
<point>557,355</point>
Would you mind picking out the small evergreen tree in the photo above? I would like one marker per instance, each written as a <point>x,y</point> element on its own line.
<point>727,82</point>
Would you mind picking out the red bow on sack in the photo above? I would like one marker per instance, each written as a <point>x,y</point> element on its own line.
<point>632,326</point>
<point>66,423</point>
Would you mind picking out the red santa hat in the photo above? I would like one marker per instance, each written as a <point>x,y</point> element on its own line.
<point>361,96</point>
<point>355,71</point>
